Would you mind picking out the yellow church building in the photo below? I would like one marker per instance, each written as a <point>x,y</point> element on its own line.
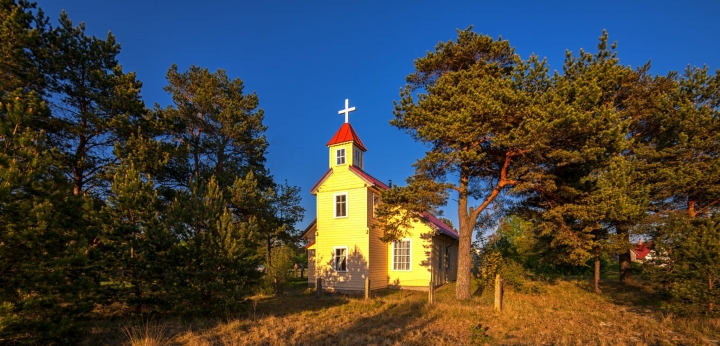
<point>344,249</point>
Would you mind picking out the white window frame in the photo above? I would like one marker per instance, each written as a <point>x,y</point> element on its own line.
<point>335,205</point>
<point>375,204</point>
<point>335,267</point>
<point>338,156</point>
<point>409,256</point>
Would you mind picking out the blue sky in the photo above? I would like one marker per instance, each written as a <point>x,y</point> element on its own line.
<point>304,58</point>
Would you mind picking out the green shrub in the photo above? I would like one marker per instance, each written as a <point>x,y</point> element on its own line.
<point>688,266</point>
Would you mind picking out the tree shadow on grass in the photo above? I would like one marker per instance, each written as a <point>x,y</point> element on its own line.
<point>393,323</point>
<point>291,303</point>
<point>635,294</point>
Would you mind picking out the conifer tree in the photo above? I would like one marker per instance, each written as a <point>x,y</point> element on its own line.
<point>584,189</point>
<point>216,259</point>
<point>222,130</point>
<point>677,148</point>
<point>44,286</point>
<point>220,125</point>
<point>276,210</point>
<point>475,108</point>
<point>135,240</point>
<point>95,104</point>
<point>681,145</point>
<point>642,96</point>
<point>687,255</point>
<point>22,50</point>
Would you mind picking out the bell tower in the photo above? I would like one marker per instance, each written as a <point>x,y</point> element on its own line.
<point>345,146</point>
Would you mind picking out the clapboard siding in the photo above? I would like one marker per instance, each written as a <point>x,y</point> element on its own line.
<point>378,249</point>
<point>350,231</point>
<point>419,273</point>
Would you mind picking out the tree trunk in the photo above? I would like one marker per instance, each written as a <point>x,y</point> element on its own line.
<point>134,280</point>
<point>625,267</point>
<point>597,269</point>
<point>138,296</point>
<point>79,169</point>
<point>625,264</point>
<point>691,207</point>
<point>77,183</point>
<point>468,218</point>
<point>462,287</point>
<point>710,288</point>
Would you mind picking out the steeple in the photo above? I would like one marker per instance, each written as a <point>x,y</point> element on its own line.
<point>346,133</point>
<point>345,146</point>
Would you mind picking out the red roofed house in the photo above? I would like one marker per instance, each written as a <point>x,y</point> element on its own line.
<point>344,249</point>
<point>643,251</point>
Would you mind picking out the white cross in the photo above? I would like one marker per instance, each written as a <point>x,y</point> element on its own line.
<point>347,110</point>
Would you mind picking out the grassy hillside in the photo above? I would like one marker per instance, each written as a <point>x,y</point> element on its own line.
<point>562,312</point>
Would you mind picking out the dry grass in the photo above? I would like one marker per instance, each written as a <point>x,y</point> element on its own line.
<point>148,334</point>
<point>565,314</point>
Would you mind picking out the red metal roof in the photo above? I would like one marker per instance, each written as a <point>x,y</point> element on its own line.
<point>346,134</point>
<point>642,250</point>
<point>308,229</point>
<point>368,178</point>
<point>439,225</point>
<point>317,185</point>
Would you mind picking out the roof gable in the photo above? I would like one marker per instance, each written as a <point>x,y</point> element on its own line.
<point>642,250</point>
<point>368,178</point>
<point>439,226</point>
<point>310,227</point>
<point>322,180</point>
<point>346,134</point>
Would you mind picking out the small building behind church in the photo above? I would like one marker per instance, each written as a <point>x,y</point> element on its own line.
<point>344,248</point>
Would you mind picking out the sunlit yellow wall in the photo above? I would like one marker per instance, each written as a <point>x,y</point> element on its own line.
<point>349,152</point>
<point>419,274</point>
<point>350,231</point>
<point>378,249</point>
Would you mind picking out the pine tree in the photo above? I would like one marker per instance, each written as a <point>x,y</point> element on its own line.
<point>687,257</point>
<point>582,190</point>
<point>135,240</point>
<point>682,145</point>
<point>476,112</point>
<point>276,210</point>
<point>643,96</point>
<point>22,52</point>
<point>220,125</point>
<point>223,132</point>
<point>44,286</point>
<point>95,104</point>
<point>216,260</point>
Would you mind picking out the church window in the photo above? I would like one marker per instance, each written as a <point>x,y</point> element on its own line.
<point>441,258</point>
<point>376,203</point>
<point>357,159</point>
<point>341,205</point>
<point>340,258</point>
<point>340,157</point>
<point>448,259</point>
<point>401,254</point>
